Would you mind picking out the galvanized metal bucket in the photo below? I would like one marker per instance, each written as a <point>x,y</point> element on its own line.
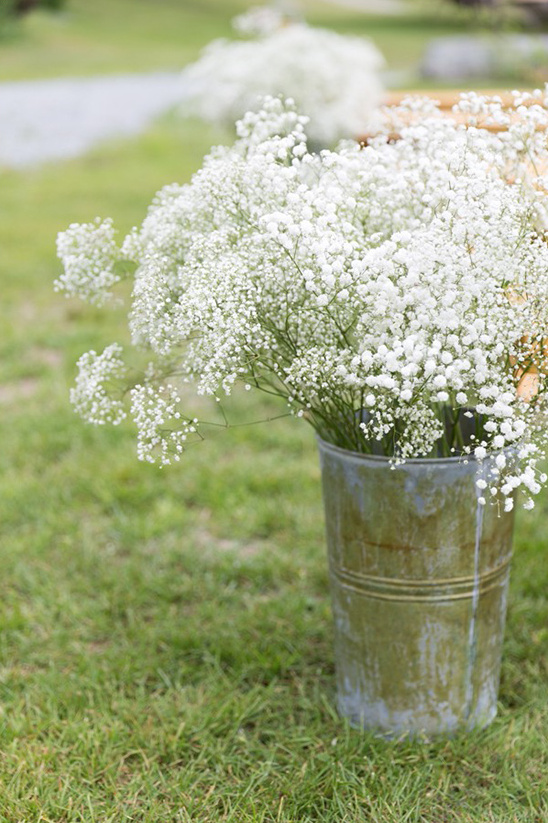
<point>419,580</point>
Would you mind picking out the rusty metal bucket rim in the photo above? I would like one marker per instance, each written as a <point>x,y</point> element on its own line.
<point>422,461</point>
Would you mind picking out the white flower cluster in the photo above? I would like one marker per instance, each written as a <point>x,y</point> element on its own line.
<point>94,395</point>
<point>156,411</point>
<point>259,21</point>
<point>396,295</point>
<point>89,254</point>
<point>333,78</point>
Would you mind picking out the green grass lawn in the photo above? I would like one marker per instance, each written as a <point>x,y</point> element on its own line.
<point>166,645</point>
<point>107,36</point>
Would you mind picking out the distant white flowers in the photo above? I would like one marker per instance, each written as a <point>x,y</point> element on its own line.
<point>333,78</point>
<point>396,295</point>
<point>259,21</point>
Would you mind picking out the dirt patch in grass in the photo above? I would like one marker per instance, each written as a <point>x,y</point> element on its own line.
<point>47,357</point>
<point>18,390</point>
<point>206,540</point>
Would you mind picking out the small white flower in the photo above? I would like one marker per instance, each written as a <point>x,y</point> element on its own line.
<point>97,373</point>
<point>89,254</point>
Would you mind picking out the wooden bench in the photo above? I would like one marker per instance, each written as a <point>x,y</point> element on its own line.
<point>446,97</point>
<point>447,100</point>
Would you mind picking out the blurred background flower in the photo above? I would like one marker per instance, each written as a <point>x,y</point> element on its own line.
<point>333,78</point>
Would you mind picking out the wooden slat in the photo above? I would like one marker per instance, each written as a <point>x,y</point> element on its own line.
<point>447,100</point>
<point>447,97</point>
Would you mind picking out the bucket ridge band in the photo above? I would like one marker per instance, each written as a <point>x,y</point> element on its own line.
<point>386,588</point>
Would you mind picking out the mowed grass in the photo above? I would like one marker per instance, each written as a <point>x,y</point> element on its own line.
<point>166,644</point>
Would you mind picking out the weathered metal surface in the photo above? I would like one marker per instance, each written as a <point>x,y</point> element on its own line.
<point>419,579</point>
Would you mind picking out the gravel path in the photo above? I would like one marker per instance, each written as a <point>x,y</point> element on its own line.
<point>43,120</point>
<point>373,6</point>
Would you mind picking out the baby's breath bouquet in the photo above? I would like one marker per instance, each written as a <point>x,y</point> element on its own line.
<point>393,294</point>
<point>334,78</point>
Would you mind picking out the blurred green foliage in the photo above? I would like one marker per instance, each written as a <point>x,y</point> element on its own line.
<point>17,7</point>
<point>12,10</point>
